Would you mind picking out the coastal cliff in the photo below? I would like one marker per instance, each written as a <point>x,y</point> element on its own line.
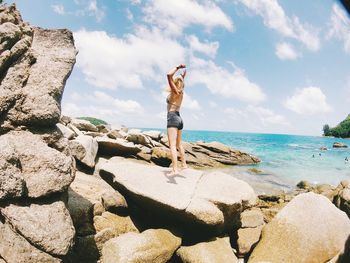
<point>72,191</point>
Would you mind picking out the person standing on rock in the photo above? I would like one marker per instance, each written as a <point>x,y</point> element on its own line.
<point>174,120</point>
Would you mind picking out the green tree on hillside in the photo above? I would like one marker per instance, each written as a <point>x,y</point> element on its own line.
<point>93,120</point>
<point>341,130</point>
<point>326,129</point>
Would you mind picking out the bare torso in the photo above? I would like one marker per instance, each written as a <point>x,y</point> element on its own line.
<point>174,101</point>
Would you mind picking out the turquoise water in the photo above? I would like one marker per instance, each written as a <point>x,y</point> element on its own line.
<point>286,159</point>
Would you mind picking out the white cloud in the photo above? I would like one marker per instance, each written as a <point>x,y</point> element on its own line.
<point>213,104</point>
<point>101,105</point>
<point>267,116</point>
<point>174,15</point>
<point>275,18</point>
<point>197,116</point>
<point>129,15</point>
<point>135,2</point>
<point>59,9</point>
<point>112,62</point>
<point>223,82</point>
<point>256,118</point>
<point>347,89</point>
<point>95,10</point>
<point>124,106</point>
<point>77,110</point>
<point>87,8</point>
<point>190,103</point>
<point>234,113</point>
<point>161,115</point>
<point>286,51</point>
<point>208,49</point>
<point>310,100</point>
<point>340,26</point>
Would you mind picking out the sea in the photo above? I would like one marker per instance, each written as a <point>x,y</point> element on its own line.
<point>285,159</point>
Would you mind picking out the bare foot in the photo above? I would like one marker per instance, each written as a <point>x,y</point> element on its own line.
<point>184,166</point>
<point>174,172</point>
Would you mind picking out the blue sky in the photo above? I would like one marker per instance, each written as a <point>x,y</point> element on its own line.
<point>271,66</point>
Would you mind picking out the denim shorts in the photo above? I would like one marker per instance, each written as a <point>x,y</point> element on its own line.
<point>174,120</point>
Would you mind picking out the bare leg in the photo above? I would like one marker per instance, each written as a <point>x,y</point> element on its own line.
<point>172,134</point>
<point>181,149</point>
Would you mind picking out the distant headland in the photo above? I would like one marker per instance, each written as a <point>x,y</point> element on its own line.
<point>342,130</point>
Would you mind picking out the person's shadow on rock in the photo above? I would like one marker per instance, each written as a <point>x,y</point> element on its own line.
<point>171,177</point>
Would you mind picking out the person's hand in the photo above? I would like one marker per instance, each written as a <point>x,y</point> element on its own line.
<point>183,74</point>
<point>181,66</point>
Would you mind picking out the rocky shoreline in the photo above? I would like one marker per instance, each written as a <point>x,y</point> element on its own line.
<point>71,191</point>
<point>89,142</point>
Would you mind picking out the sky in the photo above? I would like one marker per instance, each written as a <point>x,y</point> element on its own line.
<point>262,66</point>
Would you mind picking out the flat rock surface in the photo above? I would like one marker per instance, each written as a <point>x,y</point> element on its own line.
<point>211,199</point>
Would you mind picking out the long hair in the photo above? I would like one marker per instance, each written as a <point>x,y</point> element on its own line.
<point>179,83</point>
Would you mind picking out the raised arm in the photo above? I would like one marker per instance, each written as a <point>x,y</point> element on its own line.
<point>183,74</point>
<point>171,80</point>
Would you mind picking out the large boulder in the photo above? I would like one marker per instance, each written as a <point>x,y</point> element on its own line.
<point>151,246</point>
<point>84,125</point>
<point>26,157</point>
<point>113,202</point>
<point>251,218</point>
<point>161,156</point>
<point>199,155</point>
<point>117,224</point>
<point>343,200</point>
<point>339,145</point>
<point>224,154</point>
<point>66,132</point>
<point>248,238</point>
<point>215,147</point>
<point>138,138</point>
<point>252,222</point>
<point>12,184</point>
<point>15,248</point>
<point>84,148</point>
<point>118,146</point>
<point>155,135</point>
<point>27,96</point>
<point>114,134</point>
<point>308,229</point>
<point>214,251</point>
<point>194,198</point>
<point>47,226</point>
<point>84,196</point>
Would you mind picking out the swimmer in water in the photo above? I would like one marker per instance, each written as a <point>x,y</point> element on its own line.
<point>346,159</point>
